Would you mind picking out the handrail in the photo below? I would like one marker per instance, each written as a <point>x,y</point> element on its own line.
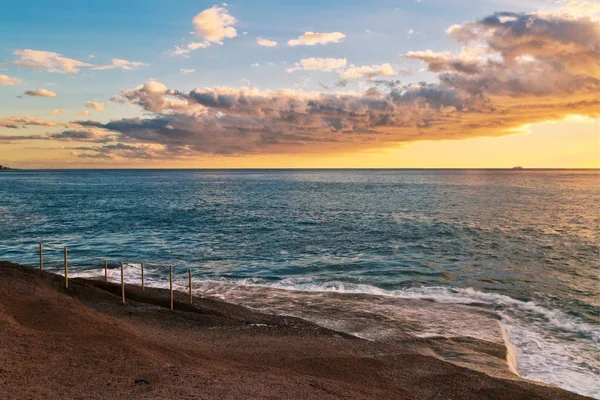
<point>66,249</point>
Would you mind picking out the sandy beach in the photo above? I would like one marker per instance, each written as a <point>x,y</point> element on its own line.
<point>82,342</point>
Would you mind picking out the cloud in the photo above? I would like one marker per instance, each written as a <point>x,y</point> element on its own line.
<point>311,39</point>
<point>214,25</point>
<point>368,72</point>
<point>122,64</point>
<point>83,113</point>
<point>17,122</point>
<point>410,33</point>
<point>189,48</point>
<point>94,105</point>
<point>468,62</point>
<point>255,65</point>
<point>514,69</point>
<point>240,121</point>
<point>73,135</point>
<point>319,64</point>
<point>6,80</point>
<point>266,42</point>
<point>40,93</point>
<point>57,111</point>
<point>579,8</point>
<point>52,62</point>
<point>185,71</point>
<point>74,132</point>
<point>523,54</point>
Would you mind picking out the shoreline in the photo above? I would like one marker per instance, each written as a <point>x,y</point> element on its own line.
<point>82,342</point>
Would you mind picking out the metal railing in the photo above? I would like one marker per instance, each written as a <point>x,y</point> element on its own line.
<point>65,264</point>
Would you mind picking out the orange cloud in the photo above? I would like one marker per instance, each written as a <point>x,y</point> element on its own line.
<point>312,39</point>
<point>94,105</point>
<point>6,80</point>
<point>51,61</point>
<point>266,42</point>
<point>214,25</point>
<point>40,93</point>
<point>514,69</point>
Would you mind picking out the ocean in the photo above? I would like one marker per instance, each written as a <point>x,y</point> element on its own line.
<point>510,255</point>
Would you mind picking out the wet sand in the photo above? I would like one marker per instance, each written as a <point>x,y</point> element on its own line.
<point>82,342</point>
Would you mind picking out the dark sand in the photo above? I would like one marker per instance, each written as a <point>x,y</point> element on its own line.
<point>82,343</point>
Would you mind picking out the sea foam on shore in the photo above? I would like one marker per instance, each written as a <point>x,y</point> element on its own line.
<point>540,343</point>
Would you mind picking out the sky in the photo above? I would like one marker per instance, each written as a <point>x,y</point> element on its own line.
<point>300,84</point>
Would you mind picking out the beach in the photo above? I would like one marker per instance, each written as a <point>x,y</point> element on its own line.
<point>82,342</point>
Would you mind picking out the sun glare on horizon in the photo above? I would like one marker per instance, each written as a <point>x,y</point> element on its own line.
<point>425,84</point>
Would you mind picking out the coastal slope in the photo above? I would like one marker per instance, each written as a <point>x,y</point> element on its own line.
<point>81,342</point>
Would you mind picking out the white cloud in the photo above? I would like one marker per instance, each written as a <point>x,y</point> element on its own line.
<point>186,71</point>
<point>83,113</point>
<point>319,64</point>
<point>266,42</point>
<point>94,105</point>
<point>40,93</point>
<point>524,69</point>
<point>127,65</point>
<point>215,24</point>
<point>154,87</point>
<point>312,38</point>
<point>410,33</point>
<point>57,111</point>
<point>190,47</point>
<point>197,45</point>
<point>53,62</point>
<point>7,80</point>
<point>255,65</point>
<point>123,64</point>
<point>368,72</point>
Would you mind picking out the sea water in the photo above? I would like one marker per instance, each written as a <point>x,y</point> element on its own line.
<point>517,251</point>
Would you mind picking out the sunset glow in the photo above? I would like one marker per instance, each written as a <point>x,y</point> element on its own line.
<point>425,84</point>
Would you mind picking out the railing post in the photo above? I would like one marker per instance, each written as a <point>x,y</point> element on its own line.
<point>142,276</point>
<point>66,268</point>
<point>41,258</point>
<point>105,271</point>
<point>171,285</point>
<point>190,284</point>
<point>122,285</point>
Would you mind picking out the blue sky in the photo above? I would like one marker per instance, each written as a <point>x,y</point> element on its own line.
<point>376,33</point>
<point>147,30</point>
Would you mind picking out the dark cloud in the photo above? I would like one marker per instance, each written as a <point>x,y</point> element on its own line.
<point>514,69</point>
<point>73,135</point>
<point>17,122</point>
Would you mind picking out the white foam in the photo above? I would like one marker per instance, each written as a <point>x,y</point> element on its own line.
<point>512,357</point>
<point>543,345</point>
<point>550,346</point>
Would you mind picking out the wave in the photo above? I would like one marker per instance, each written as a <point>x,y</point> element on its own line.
<point>543,344</point>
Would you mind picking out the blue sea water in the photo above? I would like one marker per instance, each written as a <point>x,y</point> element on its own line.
<point>524,246</point>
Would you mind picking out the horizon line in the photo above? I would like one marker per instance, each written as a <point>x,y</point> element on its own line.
<point>315,169</point>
